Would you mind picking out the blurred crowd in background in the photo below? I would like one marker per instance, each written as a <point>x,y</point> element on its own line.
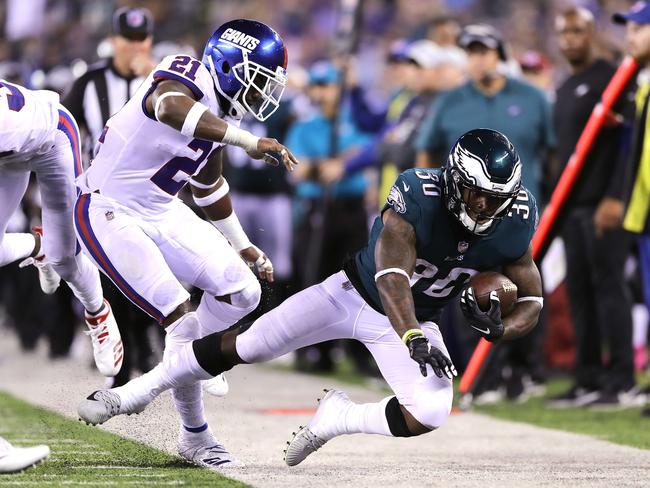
<point>423,72</point>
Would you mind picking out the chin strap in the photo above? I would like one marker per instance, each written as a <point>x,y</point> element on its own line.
<point>471,224</point>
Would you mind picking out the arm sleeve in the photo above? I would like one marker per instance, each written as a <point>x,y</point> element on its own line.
<point>74,101</point>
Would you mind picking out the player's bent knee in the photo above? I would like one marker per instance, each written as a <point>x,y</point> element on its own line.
<point>431,409</point>
<point>248,298</point>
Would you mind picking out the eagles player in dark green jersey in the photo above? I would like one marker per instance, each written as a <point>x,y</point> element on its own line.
<point>438,228</point>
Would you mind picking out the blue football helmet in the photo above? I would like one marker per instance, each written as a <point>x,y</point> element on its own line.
<point>483,163</point>
<point>247,60</point>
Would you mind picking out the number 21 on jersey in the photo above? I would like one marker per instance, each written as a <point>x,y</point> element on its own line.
<point>174,173</point>
<point>180,65</point>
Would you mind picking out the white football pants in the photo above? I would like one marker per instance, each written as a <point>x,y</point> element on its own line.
<point>149,259</point>
<point>333,309</point>
<point>55,172</point>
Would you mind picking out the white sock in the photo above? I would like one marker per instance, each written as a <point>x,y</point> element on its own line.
<point>182,372</point>
<point>16,246</point>
<point>188,398</point>
<point>143,389</point>
<point>85,284</point>
<point>354,418</point>
<point>189,405</point>
<point>178,367</point>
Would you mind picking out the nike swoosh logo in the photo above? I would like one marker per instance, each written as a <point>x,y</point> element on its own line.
<point>406,187</point>
<point>482,331</point>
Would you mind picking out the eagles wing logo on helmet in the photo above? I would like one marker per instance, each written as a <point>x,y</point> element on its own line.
<point>483,165</point>
<point>396,200</point>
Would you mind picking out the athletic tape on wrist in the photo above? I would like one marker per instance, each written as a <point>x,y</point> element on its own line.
<point>386,271</point>
<point>241,138</point>
<point>192,119</point>
<point>215,196</point>
<point>412,333</point>
<point>161,98</point>
<point>539,300</point>
<point>232,230</point>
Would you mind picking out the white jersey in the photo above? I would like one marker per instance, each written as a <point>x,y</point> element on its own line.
<point>143,163</point>
<point>28,122</point>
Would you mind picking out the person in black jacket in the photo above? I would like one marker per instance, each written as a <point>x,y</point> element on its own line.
<point>596,245</point>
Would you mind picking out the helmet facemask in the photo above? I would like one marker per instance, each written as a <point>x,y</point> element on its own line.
<point>261,89</point>
<point>460,191</point>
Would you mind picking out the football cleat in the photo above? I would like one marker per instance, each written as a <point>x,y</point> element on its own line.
<point>16,459</point>
<point>102,405</point>
<point>47,277</point>
<point>312,437</point>
<point>304,442</point>
<point>108,349</point>
<point>217,386</point>
<point>205,451</point>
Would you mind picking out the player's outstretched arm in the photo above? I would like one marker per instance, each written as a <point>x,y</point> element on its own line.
<point>395,250</point>
<point>395,256</point>
<point>211,192</point>
<point>173,104</point>
<point>524,273</point>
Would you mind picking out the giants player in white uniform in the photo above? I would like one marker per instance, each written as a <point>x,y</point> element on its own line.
<point>439,227</point>
<point>38,134</point>
<point>145,239</point>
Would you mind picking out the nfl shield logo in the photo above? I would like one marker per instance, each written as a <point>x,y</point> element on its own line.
<point>463,246</point>
<point>135,18</point>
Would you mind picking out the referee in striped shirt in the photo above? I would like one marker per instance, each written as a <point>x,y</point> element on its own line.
<point>92,100</point>
<point>109,84</point>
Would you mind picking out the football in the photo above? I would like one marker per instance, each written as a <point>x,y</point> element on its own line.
<point>484,283</point>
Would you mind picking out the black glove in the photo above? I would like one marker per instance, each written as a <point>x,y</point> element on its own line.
<point>488,324</point>
<point>423,353</point>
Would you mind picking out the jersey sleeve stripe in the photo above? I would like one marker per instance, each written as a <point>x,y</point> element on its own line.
<point>166,75</point>
<point>68,126</point>
<point>90,241</point>
<point>144,100</point>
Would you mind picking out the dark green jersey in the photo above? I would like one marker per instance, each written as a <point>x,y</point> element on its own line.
<point>447,255</point>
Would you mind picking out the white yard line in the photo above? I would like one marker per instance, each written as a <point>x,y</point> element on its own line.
<point>89,452</point>
<point>112,466</point>
<point>92,483</point>
<point>43,440</point>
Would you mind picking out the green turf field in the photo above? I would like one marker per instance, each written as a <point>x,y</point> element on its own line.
<point>88,456</point>
<point>622,427</point>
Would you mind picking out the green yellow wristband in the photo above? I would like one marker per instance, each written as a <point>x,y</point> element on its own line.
<point>411,333</point>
